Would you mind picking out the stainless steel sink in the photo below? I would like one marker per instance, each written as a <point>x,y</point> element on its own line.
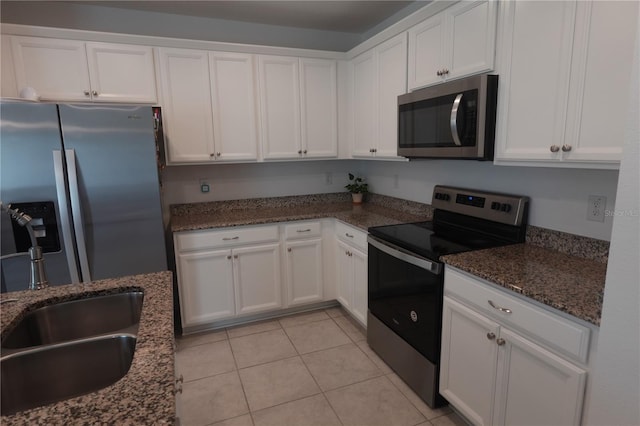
<point>77,319</point>
<point>46,374</point>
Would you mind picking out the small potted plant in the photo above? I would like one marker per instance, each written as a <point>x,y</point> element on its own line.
<point>357,187</point>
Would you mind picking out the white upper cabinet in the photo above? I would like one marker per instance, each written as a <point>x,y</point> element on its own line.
<point>298,107</point>
<point>457,42</point>
<point>378,77</point>
<point>69,70</point>
<point>210,112</point>
<point>7,72</point>
<point>319,108</point>
<point>186,89</point>
<point>565,69</point>
<point>600,80</point>
<point>234,106</point>
<point>279,106</point>
<point>121,73</point>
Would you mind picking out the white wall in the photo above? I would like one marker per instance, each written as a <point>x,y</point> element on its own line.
<point>615,394</point>
<point>558,196</point>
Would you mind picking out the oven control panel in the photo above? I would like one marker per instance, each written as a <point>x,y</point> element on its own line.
<point>498,207</point>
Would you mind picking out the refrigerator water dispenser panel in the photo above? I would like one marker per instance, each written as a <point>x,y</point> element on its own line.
<point>44,225</point>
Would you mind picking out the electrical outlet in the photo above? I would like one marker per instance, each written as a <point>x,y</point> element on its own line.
<point>328,178</point>
<point>204,186</point>
<point>595,208</point>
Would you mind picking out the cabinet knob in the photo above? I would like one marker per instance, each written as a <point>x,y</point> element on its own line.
<point>491,336</point>
<point>554,148</point>
<point>500,342</point>
<point>213,154</point>
<point>289,249</point>
<point>439,73</point>
<point>180,379</point>
<point>178,390</point>
<point>218,154</point>
<point>566,148</point>
<point>299,152</point>
<point>304,152</point>
<point>235,256</point>
<point>375,150</point>
<point>446,71</point>
<point>86,93</point>
<point>229,257</point>
<point>94,93</point>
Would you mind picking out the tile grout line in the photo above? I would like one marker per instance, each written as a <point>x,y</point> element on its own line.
<point>237,370</point>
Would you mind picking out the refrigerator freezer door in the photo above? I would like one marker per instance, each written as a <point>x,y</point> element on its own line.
<point>29,134</point>
<point>117,188</point>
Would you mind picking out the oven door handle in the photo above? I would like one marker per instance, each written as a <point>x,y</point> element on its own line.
<point>404,255</point>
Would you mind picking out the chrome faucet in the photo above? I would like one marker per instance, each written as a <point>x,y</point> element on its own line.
<point>38,275</point>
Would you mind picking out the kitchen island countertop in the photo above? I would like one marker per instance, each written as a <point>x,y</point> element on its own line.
<point>145,395</point>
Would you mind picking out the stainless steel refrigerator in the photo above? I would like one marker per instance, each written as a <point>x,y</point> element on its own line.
<point>88,176</point>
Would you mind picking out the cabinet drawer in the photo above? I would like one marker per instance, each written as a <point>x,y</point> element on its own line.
<point>198,240</point>
<point>558,333</point>
<point>351,235</point>
<point>298,230</point>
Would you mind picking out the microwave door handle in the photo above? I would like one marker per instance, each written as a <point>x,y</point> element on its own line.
<point>454,120</point>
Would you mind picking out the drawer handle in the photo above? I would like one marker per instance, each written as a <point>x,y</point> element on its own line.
<point>230,239</point>
<point>303,230</point>
<point>501,309</point>
<point>348,235</point>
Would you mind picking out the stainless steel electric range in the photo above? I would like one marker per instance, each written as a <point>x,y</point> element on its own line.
<point>406,277</point>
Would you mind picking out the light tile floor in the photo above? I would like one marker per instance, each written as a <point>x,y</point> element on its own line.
<point>310,369</point>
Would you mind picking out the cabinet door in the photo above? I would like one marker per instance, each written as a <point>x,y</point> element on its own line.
<point>56,69</point>
<point>600,80</point>
<point>257,278</point>
<point>303,263</point>
<point>280,107</point>
<point>319,108</point>
<point>530,373</point>
<point>535,48</point>
<point>426,52</point>
<point>234,106</point>
<point>205,282</point>
<point>187,110</point>
<point>360,286</point>
<point>468,362</point>
<point>392,82</point>
<point>344,275</point>
<point>471,38</point>
<point>365,104</point>
<point>7,73</point>
<point>121,73</point>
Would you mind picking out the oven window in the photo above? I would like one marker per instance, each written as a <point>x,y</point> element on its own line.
<point>408,299</point>
<point>427,123</point>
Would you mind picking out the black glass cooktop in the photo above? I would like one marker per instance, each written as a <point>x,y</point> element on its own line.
<point>422,239</point>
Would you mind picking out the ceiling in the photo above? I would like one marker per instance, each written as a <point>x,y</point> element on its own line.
<point>330,15</point>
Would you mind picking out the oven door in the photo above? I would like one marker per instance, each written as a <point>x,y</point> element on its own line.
<point>405,293</point>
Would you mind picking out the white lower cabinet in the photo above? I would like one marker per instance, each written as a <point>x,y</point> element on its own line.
<point>206,286</point>
<point>303,265</point>
<point>225,273</point>
<point>496,376</point>
<point>351,275</point>
<point>256,272</point>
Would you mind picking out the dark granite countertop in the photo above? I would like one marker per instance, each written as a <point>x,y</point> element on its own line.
<point>145,395</point>
<point>378,210</point>
<point>569,283</point>
<point>563,271</point>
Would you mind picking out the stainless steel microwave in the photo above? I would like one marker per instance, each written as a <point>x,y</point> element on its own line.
<point>456,119</point>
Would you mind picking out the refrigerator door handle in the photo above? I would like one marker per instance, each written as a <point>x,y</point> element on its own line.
<point>63,206</point>
<point>74,192</point>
